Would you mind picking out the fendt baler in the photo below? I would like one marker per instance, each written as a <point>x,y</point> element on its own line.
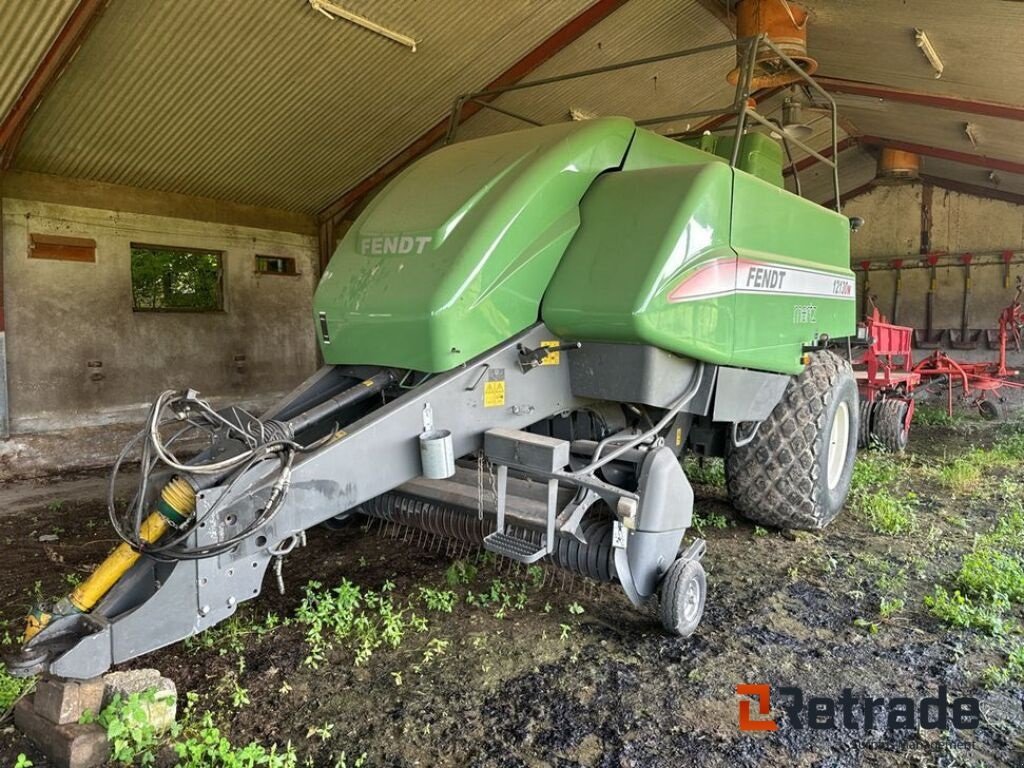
<point>574,307</point>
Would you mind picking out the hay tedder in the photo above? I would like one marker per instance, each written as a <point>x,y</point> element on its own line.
<point>574,306</point>
<point>979,384</point>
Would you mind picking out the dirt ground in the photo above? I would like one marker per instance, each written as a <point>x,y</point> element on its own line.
<point>577,677</point>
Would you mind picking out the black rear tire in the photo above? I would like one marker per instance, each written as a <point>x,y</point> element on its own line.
<point>864,432</point>
<point>888,427</point>
<point>784,477</point>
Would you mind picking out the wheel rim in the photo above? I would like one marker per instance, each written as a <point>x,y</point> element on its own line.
<point>838,440</point>
<point>691,600</point>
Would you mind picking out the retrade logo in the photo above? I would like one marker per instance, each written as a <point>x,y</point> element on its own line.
<point>762,693</point>
<point>849,712</point>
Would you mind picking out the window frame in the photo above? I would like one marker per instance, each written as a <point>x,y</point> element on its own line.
<point>290,261</point>
<point>221,296</point>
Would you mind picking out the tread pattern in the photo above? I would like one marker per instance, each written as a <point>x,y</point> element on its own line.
<point>888,425</point>
<point>775,479</point>
<point>672,588</point>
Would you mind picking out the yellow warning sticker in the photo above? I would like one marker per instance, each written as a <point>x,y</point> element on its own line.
<point>679,436</point>
<point>494,394</point>
<point>553,358</point>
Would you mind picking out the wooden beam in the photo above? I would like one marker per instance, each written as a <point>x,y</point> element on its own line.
<point>993,163</point>
<point>61,50</point>
<point>936,101</point>
<point>554,43</point>
<point>973,189</point>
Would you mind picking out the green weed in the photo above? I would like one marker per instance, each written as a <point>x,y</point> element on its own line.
<point>703,470</point>
<point>936,416</point>
<point>369,619</point>
<point>960,611</point>
<point>1012,671</point>
<point>208,747</point>
<point>441,601</point>
<point>502,595</point>
<point>232,635</point>
<point>460,573</point>
<point>11,689</point>
<point>890,606</point>
<point>710,520</point>
<point>886,513</point>
<point>988,573</point>
<point>133,739</point>
<point>873,470</point>
<point>23,761</point>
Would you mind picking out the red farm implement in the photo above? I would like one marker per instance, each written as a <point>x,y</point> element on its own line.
<point>886,377</point>
<point>979,384</point>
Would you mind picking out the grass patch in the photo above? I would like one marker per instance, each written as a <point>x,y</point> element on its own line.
<point>1011,672</point>
<point>887,513</point>
<point>872,470</point>
<point>958,610</point>
<point>963,474</point>
<point>936,416</point>
<point>988,573</point>
<point>704,470</point>
<point>989,582</point>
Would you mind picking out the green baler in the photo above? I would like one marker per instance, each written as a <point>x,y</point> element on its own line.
<point>571,309</point>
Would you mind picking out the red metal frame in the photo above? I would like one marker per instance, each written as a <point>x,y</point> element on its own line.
<point>979,380</point>
<point>886,370</point>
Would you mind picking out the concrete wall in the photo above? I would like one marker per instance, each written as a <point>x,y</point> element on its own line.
<point>957,224</point>
<point>62,316</point>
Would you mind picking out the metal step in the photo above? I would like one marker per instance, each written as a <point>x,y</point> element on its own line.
<point>514,548</point>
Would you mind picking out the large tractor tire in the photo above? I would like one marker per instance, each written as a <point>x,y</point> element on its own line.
<point>796,471</point>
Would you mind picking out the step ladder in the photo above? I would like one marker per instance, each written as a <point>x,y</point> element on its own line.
<point>533,454</point>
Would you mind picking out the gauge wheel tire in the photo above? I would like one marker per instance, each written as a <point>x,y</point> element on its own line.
<point>864,432</point>
<point>990,410</point>
<point>684,590</point>
<point>888,427</point>
<point>795,473</point>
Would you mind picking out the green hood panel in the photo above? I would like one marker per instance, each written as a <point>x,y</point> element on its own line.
<point>454,255</point>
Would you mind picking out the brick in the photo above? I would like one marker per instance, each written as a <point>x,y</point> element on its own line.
<point>64,701</point>
<point>71,745</point>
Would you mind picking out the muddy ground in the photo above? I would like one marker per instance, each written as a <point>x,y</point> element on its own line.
<point>547,684</point>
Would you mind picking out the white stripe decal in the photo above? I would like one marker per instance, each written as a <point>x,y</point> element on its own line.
<point>724,276</point>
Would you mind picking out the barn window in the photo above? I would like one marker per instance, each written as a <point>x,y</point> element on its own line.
<point>172,279</point>
<point>275,265</point>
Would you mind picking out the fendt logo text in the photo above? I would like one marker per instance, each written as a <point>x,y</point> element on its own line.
<point>378,245</point>
<point>851,712</point>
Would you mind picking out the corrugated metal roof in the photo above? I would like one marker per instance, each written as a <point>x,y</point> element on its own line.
<point>873,41</point>
<point>26,31</point>
<point>997,181</point>
<point>267,102</point>
<point>856,168</point>
<point>639,29</point>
